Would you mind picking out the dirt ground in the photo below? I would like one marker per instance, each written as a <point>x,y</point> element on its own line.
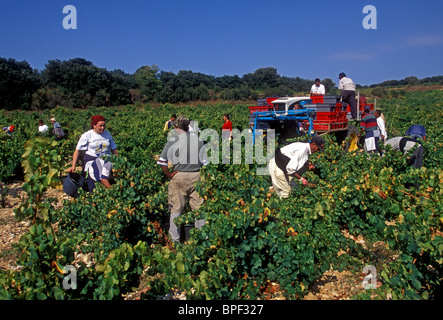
<point>10,229</point>
<point>333,285</point>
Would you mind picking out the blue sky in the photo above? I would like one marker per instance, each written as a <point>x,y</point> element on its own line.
<point>308,39</point>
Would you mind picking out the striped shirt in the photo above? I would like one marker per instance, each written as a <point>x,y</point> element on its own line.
<point>369,122</point>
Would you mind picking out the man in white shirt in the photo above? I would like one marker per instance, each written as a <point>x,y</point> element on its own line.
<point>347,88</point>
<point>317,88</point>
<point>381,126</point>
<point>288,162</point>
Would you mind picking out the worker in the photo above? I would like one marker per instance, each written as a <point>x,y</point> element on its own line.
<point>58,131</point>
<point>193,127</point>
<point>187,154</point>
<point>369,125</point>
<point>381,125</point>
<point>317,88</point>
<point>169,123</point>
<point>42,127</point>
<point>227,125</point>
<point>8,130</point>
<point>288,162</point>
<point>347,88</point>
<point>416,132</point>
<point>404,144</point>
<point>96,143</point>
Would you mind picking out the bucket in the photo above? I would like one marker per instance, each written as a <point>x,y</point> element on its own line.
<point>72,183</point>
<point>185,234</point>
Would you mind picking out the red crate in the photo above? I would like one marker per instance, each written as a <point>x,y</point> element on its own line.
<point>342,117</point>
<point>321,127</point>
<point>259,108</point>
<point>328,98</point>
<point>329,125</point>
<point>339,125</point>
<point>317,99</point>
<point>327,116</point>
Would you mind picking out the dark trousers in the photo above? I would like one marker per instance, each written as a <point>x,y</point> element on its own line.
<point>349,97</point>
<point>417,158</point>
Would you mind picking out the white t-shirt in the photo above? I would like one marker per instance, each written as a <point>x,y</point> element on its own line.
<point>298,152</point>
<point>43,128</point>
<point>96,145</point>
<point>320,89</point>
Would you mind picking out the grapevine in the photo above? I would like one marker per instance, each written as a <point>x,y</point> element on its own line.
<point>251,237</point>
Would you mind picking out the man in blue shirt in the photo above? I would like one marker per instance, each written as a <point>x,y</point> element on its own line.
<point>416,132</point>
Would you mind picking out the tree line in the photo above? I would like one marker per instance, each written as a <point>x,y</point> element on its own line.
<point>412,80</point>
<point>79,83</point>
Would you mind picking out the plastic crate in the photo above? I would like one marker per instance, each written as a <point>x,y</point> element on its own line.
<point>342,117</point>
<point>323,107</point>
<point>327,98</point>
<point>320,127</point>
<point>327,116</point>
<point>259,108</point>
<point>339,125</point>
<point>325,126</point>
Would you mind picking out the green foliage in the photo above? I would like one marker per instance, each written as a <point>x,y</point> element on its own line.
<point>251,237</point>
<point>9,156</point>
<point>41,164</point>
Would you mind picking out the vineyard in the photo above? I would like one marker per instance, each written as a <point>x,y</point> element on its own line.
<point>117,241</point>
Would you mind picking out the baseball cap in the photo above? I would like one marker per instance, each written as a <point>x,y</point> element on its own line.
<point>367,108</point>
<point>342,74</point>
<point>319,141</point>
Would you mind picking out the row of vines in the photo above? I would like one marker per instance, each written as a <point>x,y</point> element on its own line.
<point>115,236</point>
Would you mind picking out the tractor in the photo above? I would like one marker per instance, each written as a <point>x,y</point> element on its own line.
<point>315,114</point>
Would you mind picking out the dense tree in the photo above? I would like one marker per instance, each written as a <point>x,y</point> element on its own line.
<point>228,81</point>
<point>408,81</point>
<point>82,84</point>
<point>147,79</point>
<point>18,82</point>
<point>79,83</point>
<point>263,78</point>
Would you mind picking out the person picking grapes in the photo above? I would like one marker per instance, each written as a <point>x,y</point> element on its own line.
<point>187,154</point>
<point>289,164</point>
<point>96,143</point>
